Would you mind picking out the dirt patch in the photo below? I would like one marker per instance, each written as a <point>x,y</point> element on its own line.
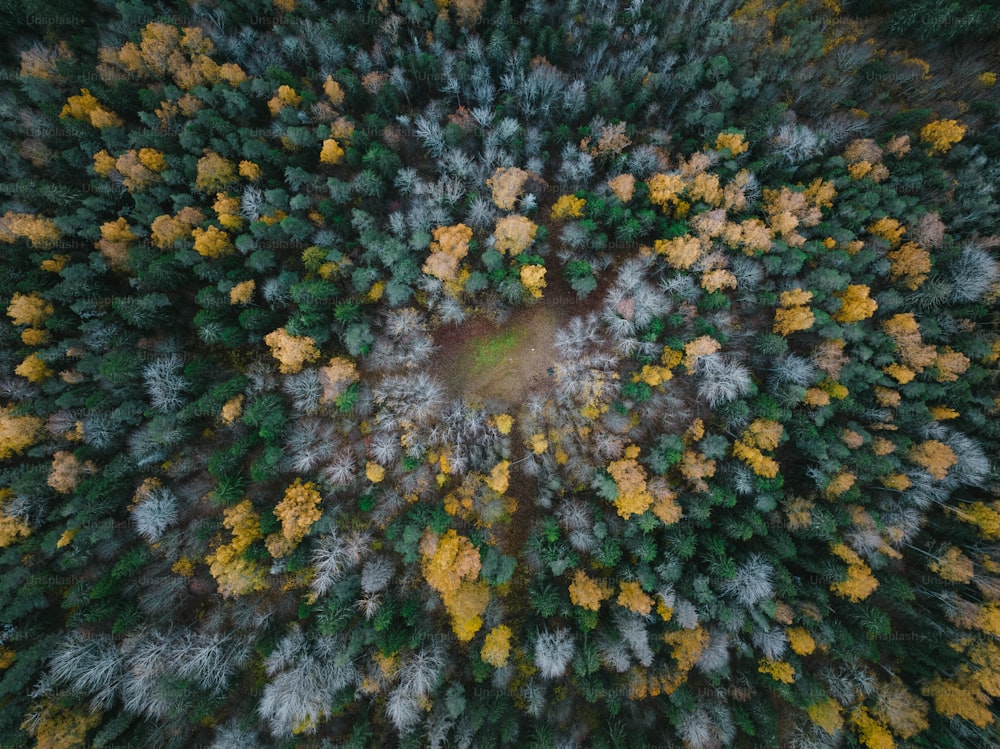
<point>487,362</point>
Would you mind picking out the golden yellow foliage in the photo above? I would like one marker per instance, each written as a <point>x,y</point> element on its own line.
<point>950,364</point>
<point>634,497</point>
<point>286,96</point>
<point>795,297</point>
<point>339,374</point>
<point>910,264</point>
<point>933,456</point>
<point>733,141</point>
<point>56,727</point>
<point>504,422</point>
<point>249,170</point>
<point>762,434</point>
<point>33,369</point>
<point>116,236</point>
<point>166,230</point>
<point>297,511</point>
<point>777,670</point>
<point>183,567</point>
<point>789,320</point>
<point>943,413</point>
<point>855,304</point>
<point>688,645</point>
<point>450,245</point>
<point>889,229</point>
<point>840,483</point>
<point>800,641</point>
<point>34,337</point>
<point>623,186</point>
<point>681,252</point>
<point>568,206</point>
<point>55,264</point>
<point>820,194</point>
<point>499,478</point>
<point>586,592</point>
<point>242,292</point>
<point>214,172</point>
<point>211,242</point>
<point>331,153</point>
<point>953,566</point>
<point>234,574</point>
<point>872,733</point>
<point>533,279</point>
<point>29,309</point>
<point>137,176</point>
<point>292,351</point>
<point>695,467</point>
<point>632,597</point>
<point>496,646</point>
<point>941,135</point>
<point>826,715</point>
<point>451,565</point>
<point>227,209</point>
<point>538,443</point>
<point>664,506</point>
<point>232,409</point>
<point>507,184</point>
<point>333,91</point>
<point>87,108</point>
<point>514,233</point>
<point>694,350</point>
<point>860,582</point>
<point>41,232</point>
<point>665,189</point>
<point>714,280</point>
<point>17,433</point>
<point>374,472</point>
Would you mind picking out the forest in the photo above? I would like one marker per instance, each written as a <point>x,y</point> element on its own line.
<point>474,373</point>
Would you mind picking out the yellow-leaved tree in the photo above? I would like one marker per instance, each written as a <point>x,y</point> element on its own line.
<point>941,135</point>
<point>292,351</point>
<point>762,434</point>
<point>855,304</point>
<point>507,184</point>
<point>586,592</point>
<point>634,497</point>
<point>496,646</point>
<point>451,565</point>
<point>17,432</point>
<point>513,234</point>
<point>232,572</point>
<point>297,511</point>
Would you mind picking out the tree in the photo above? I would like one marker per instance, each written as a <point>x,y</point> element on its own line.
<point>553,652</point>
<point>293,352</point>
<point>496,646</point>
<point>855,304</point>
<point>17,432</point>
<point>451,566</point>
<point>29,309</point>
<point>513,234</point>
<point>586,592</point>
<point>297,511</point>
<point>233,573</point>
<point>941,135</point>
<point>508,185</point>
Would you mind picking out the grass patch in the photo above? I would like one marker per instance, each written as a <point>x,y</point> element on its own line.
<point>490,351</point>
